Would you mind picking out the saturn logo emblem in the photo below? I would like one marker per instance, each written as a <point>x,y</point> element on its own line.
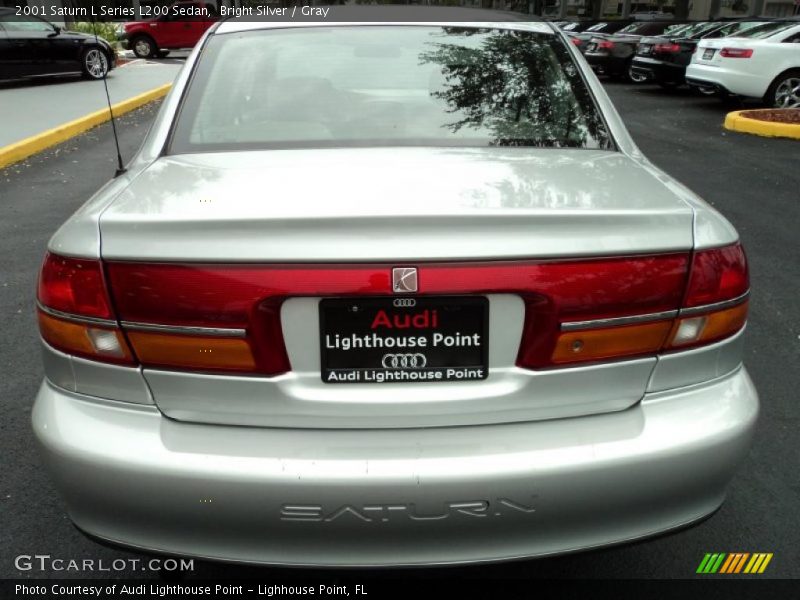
<point>404,280</point>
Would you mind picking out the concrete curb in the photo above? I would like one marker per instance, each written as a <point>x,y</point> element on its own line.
<point>736,121</point>
<point>36,143</point>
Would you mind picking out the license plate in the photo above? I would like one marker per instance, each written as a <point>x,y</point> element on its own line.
<point>591,47</point>
<point>645,48</point>
<point>708,54</point>
<point>404,339</point>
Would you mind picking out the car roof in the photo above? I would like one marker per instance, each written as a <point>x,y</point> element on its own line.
<point>389,15</point>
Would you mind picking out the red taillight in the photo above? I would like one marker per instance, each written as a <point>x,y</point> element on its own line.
<point>714,307</point>
<point>75,314</point>
<point>75,286</point>
<point>227,317</point>
<point>716,303</point>
<point>736,52</point>
<point>605,45</point>
<point>667,48</point>
<point>718,274</point>
<point>575,41</point>
<point>249,297</point>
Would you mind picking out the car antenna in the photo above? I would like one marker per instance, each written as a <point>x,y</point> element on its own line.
<point>120,166</point>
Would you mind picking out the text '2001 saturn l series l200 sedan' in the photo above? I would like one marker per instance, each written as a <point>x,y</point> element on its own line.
<point>391,295</point>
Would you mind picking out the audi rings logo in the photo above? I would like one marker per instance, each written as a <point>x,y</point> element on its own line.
<point>404,302</point>
<point>404,361</point>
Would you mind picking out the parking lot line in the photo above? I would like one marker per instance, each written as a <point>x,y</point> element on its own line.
<point>36,143</point>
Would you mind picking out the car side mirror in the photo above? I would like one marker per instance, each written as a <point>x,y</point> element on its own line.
<point>56,30</point>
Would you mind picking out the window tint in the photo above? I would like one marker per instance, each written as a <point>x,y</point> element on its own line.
<point>599,27</point>
<point>12,22</point>
<point>765,30</point>
<point>387,86</point>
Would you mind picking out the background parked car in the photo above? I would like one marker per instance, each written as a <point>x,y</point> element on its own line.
<point>612,54</point>
<point>663,59</point>
<point>577,26</point>
<point>762,62</point>
<point>156,37</point>
<point>580,39</point>
<point>32,47</point>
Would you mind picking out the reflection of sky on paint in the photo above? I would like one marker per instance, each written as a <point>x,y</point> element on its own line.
<point>340,182</point>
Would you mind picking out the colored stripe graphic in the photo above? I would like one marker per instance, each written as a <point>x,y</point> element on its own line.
<point>711,563</point>
<point>733,563</point>
<point>758,563</point>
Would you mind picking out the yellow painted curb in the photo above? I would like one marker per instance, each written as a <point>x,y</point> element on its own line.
<point>736,121</point>
<point>24,148</point>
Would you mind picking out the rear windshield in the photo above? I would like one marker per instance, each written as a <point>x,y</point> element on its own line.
<point>598,27</point>
<point>734,28</point>
<point>386,86</point>
<point>765,30</point>
<point>652,28</point>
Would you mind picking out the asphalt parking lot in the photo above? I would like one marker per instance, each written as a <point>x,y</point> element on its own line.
<point>754,181</point>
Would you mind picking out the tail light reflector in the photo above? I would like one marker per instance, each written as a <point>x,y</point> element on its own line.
<point>74,286</point>
<point>227,317</point>
<point>714,307</point>
<point>667,48</point>
<point>718,274</point>
<point>83,340</point>
<point>193,352</point>
<point>249,297</point>
<point>75,314</point>
<point>600,344</point>
<point>717,325</point>
<point>736,52</point>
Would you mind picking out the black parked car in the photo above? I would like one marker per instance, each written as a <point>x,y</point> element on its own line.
<point>32,47</point>
<point>663,59</point>
<point>577,26</point>
<point>580,39</point>
<point>612,54</point>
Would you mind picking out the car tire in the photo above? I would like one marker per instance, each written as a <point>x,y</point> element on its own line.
<point>94,63</point>
<point>633,76</point>
<point>144,46</point>
<point>784,91</point>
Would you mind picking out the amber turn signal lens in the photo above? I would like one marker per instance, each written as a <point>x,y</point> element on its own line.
<point>704,329</point>
<point>88,341</point>
<point>598,344</point>
<point>201,352</point>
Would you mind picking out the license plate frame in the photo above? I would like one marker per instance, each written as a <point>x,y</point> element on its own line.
<point>708,53</point>
<point>438,320</point>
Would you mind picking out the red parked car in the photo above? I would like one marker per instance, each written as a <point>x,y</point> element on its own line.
<point>181,25</point>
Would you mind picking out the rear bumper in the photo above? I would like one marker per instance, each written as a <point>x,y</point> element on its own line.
<point>607,64</point>
<point>739,83</point>
<point>659,71</point>
<point>394,497</point>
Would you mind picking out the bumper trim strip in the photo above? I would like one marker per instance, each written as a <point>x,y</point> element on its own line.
<point>185,330</point>
<point>695,310</point>
<point>75,318</point>
<point>617,321</point>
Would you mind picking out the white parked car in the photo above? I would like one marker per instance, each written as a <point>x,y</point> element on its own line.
<point>763,62</point>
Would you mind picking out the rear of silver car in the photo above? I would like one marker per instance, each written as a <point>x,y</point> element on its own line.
<point>219,380</point>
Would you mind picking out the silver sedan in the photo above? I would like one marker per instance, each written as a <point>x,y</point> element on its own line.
<point>391,295</point>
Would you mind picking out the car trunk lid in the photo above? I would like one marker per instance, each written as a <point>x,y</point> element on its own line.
<point>286,229</point>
